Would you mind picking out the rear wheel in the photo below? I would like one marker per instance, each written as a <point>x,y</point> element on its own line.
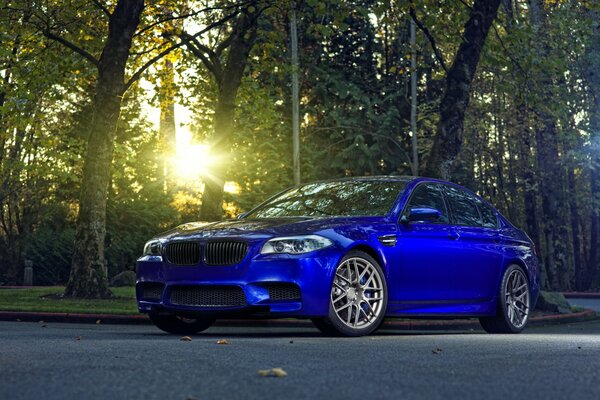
<point>358,297</point>
<point>183,326</point>
<point>513,304</point>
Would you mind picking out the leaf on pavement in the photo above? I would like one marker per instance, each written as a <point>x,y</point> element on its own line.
<point>98,322</point>
<point>436,351</point>
<point>77,337</point>
<point>185,339</point>
<point>44,325</point>
<point>273,372</point>
<point>222,341</point>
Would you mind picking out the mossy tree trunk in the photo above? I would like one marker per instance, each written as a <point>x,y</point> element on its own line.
<point>88,273</point>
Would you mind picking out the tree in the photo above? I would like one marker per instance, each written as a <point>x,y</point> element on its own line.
<point>592,58</point>
<point>226,63</point>
<point>88,274</point>
<point>448,139</point>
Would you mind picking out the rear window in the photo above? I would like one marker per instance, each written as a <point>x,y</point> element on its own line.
<point>463,206</point>
<point>488,215</point>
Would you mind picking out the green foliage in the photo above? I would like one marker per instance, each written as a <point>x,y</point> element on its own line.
<point>355,78</point>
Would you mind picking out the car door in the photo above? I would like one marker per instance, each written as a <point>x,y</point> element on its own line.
<point>423,269</point>
<point>477,265</point>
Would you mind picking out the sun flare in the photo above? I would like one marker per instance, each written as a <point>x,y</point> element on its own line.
<point>192,161</point>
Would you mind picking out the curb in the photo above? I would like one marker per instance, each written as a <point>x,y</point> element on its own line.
<point>390,324</point>
<point>582,295</point>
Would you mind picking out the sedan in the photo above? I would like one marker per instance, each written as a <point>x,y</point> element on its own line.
<point>345,253</point>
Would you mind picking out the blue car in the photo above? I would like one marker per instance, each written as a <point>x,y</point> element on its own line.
<point>345,253</point>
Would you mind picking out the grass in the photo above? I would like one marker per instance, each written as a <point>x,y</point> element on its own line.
<point>49,300</point>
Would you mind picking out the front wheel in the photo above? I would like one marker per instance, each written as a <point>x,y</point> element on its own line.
<point>179,325</point>
<point>513,304</point>
<point>358,297</point>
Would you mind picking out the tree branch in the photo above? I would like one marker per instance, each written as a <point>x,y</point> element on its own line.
<point>213,63</point>
<point>424,29</point>
<point>183,42</point>
<point>101,6</point>
<point>191,14</point>
<point>202,56</point>
<point>514,60</point>
<point>72,46</point>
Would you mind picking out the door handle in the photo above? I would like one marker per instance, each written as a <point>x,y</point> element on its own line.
<point>454,235</point>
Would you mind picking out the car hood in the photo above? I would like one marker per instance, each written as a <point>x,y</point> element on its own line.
<point>262,228</point>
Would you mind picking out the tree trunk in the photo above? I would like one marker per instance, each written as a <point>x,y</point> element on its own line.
<point>228,82</point>
<point>88,273</point>
<point>448,140</point>
<point>593,77</point>
<point>167,129</point>
<point>552,176</point>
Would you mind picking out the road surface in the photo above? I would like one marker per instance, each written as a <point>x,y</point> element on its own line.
<point>76,361</point>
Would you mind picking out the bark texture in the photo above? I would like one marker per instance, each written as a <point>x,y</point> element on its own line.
<point>448,140</point>
<point>88,272</point>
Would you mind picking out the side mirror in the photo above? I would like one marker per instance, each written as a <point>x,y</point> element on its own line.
<point>421,214</point>
<point>242,215</point>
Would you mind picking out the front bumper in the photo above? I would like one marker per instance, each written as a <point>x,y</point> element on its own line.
<point>256,276</point>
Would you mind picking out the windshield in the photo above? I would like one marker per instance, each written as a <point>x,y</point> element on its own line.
<point>342,198</point>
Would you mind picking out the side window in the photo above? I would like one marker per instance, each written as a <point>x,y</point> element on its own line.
<point>463,206</point>
<point>488,215</point>
<point>430,196</point>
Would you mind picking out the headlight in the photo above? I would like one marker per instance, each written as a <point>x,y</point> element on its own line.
<point>153,248</point>
<point>295,244</point>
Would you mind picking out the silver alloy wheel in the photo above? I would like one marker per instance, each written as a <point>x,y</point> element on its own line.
<point>357,293</point>
<point>517,298</point>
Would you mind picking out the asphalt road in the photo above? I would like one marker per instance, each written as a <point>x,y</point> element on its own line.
<point>139,362</point>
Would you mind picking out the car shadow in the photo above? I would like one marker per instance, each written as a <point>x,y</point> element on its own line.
<point>292,333</point>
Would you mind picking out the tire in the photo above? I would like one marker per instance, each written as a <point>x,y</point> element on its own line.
<point>171,323</point>
<point>358,297</point>
<point>513,307</point>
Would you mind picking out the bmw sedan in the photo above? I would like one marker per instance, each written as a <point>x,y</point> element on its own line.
<point>345,253</point>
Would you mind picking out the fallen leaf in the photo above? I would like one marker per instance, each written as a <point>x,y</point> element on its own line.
<point>436,351</point>
<point>18,319</point>
<point>98,322</point>
<point>186,339</point>
<point>222,341</point>
<point>77,337</point>
<point>291,341</point>
<point>44,326</point>
<point>273,372</point>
